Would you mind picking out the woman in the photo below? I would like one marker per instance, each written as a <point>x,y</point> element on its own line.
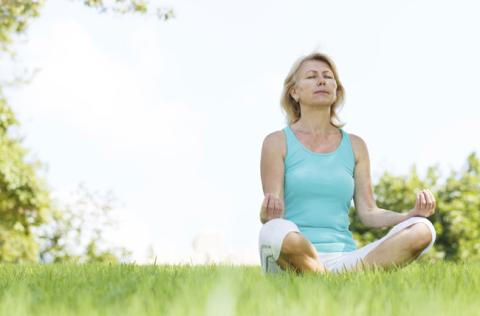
<point>317,168</point>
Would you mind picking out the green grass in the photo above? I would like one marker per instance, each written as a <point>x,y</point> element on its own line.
<point>421,288</point>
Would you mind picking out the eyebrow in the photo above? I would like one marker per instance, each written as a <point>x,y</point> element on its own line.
<point>324,71</point>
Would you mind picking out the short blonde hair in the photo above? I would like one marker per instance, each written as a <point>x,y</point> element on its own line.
<point>292,107</point>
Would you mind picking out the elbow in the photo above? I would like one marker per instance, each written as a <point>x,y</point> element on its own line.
<point>365,218</point>
<point>364,221</point>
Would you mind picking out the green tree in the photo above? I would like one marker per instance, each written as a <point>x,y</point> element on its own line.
<point>137,6</point>
<point>25,202</point>
<point>15,15</point>
<point>458,219</point>
<point>24,198</point>
<point>457,216</point>
<point>75,230</point>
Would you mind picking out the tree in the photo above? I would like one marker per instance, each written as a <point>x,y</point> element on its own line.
<point>458,220</point>
<point>74,231</point>
<point>457,217</point>
<point>24,198</point>
<point>25,202</point>
<point>14,18</point>
<point>137,6</point>
<point>15,15</point>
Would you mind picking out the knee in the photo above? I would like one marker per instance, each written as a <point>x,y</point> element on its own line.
<point>421,234</point>
<point>294,244</point>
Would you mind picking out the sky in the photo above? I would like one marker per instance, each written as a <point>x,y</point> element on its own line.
<point>171,116</point>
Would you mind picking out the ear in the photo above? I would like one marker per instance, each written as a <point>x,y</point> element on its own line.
<point>294,94</point>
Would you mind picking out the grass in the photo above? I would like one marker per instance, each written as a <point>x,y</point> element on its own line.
<point>422,288</point>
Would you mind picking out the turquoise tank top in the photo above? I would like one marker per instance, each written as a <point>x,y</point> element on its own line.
<point>318,193</point>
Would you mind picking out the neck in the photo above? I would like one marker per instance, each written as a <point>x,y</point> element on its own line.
<point>315,120</point>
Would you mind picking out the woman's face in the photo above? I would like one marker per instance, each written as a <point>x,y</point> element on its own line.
<point>315,84</point>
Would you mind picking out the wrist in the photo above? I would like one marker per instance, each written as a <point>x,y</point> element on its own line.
<point>409,214</point>
<point>413,213</point>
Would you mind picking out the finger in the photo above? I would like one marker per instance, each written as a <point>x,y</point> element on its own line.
<point>423,202</point>
<point>434,202</point>
<point>428,202</point>
<point>265,199</point>
<point>428,199</point>
<point>265,202</point>
<point>270,206</point>
<point>276,207</point>
<point>417,202</point>
<point>433,197</point>
<point>282,207</point>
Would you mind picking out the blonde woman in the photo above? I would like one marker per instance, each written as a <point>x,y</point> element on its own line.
<point>311,170</point>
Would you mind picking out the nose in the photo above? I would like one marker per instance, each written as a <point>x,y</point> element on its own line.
<point>321,81</point>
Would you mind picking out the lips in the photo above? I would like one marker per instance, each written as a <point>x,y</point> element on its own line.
<point>322,91</point>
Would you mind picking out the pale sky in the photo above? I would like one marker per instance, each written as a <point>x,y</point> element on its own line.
<point>171,116</point>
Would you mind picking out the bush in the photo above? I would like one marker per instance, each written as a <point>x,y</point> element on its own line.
<point>457,217</point>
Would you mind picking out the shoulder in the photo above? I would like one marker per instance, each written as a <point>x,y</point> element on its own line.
<point>275,141</point>
<point>359,146</point>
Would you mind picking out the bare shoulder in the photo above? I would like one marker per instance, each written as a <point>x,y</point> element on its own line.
<point>275,141</point>
<point>359,146</point>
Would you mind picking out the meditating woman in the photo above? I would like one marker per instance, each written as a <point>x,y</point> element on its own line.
<point>311,170</point>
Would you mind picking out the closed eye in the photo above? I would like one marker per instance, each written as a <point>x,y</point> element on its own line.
<point>311,77</point>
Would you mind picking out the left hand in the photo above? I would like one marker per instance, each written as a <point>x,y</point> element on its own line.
<point>425,205</point>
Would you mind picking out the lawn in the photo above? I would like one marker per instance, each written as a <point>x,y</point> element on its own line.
<point>422,288</point>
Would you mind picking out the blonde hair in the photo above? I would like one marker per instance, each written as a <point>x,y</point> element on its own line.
<point>292,107</point>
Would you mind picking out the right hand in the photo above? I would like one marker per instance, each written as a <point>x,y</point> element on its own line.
<point>425,204</point>
<point>272,207</point>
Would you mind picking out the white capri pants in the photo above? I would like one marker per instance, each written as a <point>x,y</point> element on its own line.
<point>274,231</point>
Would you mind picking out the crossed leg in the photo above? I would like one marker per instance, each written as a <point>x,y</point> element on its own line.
<point>399,249</point>
<point>299,255</point>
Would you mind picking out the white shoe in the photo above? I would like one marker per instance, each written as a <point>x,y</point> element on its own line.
<point>269,265</point>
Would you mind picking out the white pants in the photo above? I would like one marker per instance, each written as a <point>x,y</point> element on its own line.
<point>274,231</point>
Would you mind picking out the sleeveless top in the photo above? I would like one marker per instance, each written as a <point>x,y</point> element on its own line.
<point>318,193</point>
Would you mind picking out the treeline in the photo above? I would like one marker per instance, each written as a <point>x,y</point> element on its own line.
<point>457,216</point>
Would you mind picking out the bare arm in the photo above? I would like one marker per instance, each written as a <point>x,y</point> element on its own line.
<point>272,170</point>
<point>368,212</point>
<point>370,215</point>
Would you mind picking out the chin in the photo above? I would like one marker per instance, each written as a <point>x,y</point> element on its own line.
<point>322,103</point>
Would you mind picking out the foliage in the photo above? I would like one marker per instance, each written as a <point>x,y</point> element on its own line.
<point>15,16</point>
<point>25,202</point>
<point>24,197</point>
<point>32,227</point>
<point>136,6</point>
<point>457,216</point>
<point>75,231</point>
